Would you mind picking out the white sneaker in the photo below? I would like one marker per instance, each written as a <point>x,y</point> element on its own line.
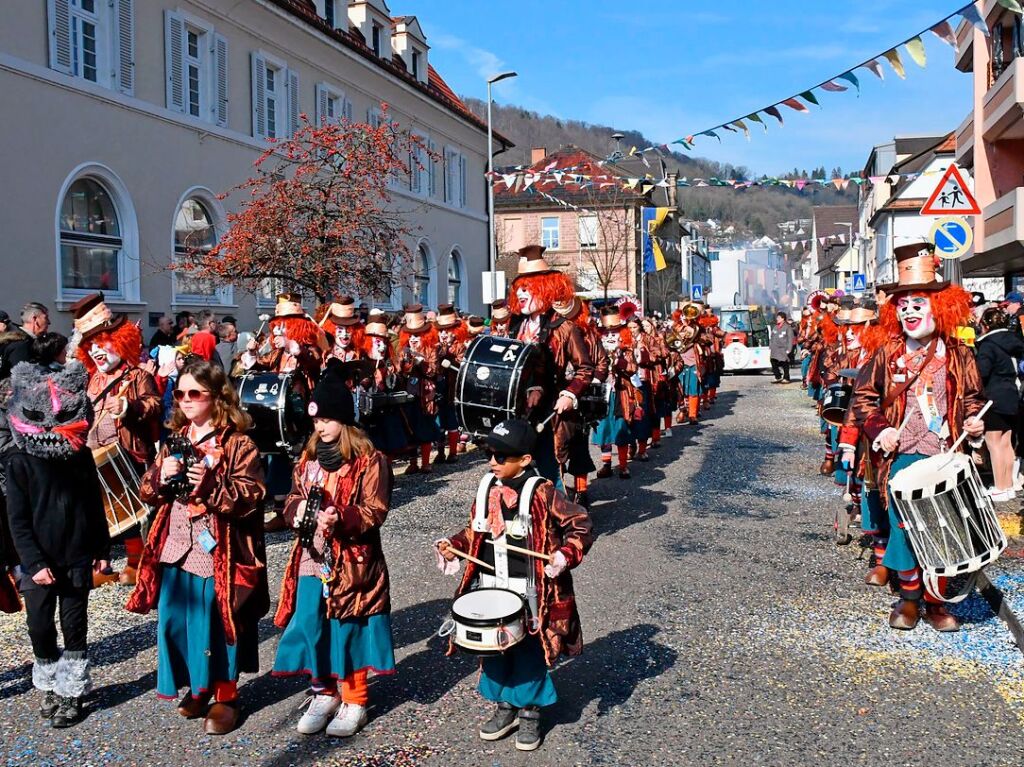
<point>349,720</point>
<point>667,433</point>
<point>1018,482</point>
<point>1001,496</point>
<point>318,714</point>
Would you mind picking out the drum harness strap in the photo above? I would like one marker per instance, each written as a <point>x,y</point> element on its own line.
<point>500,579</point>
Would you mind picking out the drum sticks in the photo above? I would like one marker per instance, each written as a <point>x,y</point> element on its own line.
<point>528,552</point>
<point>964,434</point>
<point>542,424</point>
<point>472,559</point>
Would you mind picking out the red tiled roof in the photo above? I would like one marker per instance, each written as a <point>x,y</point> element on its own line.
<point>436,88</point>
<point>574,161</point>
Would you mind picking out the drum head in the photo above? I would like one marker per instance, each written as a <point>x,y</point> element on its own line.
<point>931,476</point>
<point>492,382</point>
<point>487,606</point>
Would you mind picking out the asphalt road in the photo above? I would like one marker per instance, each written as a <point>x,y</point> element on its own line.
<point>722,626</point>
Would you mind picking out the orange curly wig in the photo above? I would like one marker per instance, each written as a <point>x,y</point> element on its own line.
<point>546,288</point>
<point>357,331</point>
<point>125,340</point>
<point>460,330</point>
<point>429,338</point>
<point>951,308</point>
<point>302,330</point>
<point>829,329</point>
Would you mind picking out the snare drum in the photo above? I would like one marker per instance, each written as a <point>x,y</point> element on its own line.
<point>493,380</point>
<point>120,484</point>
<point>948,518</point>
<point>835,402</point>
<point>277,406</point>
<point>489,621</point>
<point>593,405</point>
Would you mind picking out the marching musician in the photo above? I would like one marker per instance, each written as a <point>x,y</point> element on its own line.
<point>532,295</point>
<point>388,426</point>
<point>654,373</point>
<point>204,566</point>
<point>913,398</point>
<point>500,317</point>
<point>452,339</point>
<point>543,522</point>
<point>623,398</point>
<point>417,366</point>
<point>712,335</point>
<point>689,350</point>
<point>642,425</point>
<point>335,605</point>
<point>125,398</point>
<point>343,325</point>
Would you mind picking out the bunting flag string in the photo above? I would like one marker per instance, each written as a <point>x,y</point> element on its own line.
<point>914,47</point>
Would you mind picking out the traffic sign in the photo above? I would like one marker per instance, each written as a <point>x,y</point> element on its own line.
<point>860,282</point>
<point>848,285</point>
<point>951,197</point>
<point>697,292</point>
<point>952,237</point>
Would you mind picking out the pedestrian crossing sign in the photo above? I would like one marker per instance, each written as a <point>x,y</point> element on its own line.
<point>860,282</point>
<point>697,293</point>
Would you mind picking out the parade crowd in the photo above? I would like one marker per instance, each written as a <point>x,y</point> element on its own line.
<point>185,451</point>
<point>922,369</point>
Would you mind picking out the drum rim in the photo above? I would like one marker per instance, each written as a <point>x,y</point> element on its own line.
<point>955,479</point>
<point>491,622</point>
<point>515,376</point>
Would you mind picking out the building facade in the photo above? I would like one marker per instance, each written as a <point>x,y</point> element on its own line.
<point>134,118</point>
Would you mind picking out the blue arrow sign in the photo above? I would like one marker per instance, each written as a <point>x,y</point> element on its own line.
<point>697,292</point>
<point>953,237</point>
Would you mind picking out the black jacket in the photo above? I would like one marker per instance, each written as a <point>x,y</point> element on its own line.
<point>15,347</point>
<point>55,510</point>
<point>996,352</point>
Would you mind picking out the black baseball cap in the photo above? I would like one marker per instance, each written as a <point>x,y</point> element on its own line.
<point>4,316</point>
<point>514,437</point>
<point>978,299</point>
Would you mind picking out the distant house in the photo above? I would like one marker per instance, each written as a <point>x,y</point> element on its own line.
<point>831,259</point>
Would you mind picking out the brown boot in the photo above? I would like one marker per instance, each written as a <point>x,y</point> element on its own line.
<point>828,466</point>
<point>193,708</point>
<point>905,615</point>
<point>128,576</point>
<point>605,471</point>
<point>938,618</point>
<point>877,576</point>
<point>222,718</point>
<point>102,579</point>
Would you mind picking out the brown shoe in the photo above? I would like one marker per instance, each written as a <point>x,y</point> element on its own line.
<point>193,708</point>
<point>275,525</point>
<point>128,576</point>
<point>222,718</point>
<point>938,618</point>
<point>905,615</point>
<point>102,579</point>
<point>828,466</point>
<point>605,471</point>
<point>877,576</point>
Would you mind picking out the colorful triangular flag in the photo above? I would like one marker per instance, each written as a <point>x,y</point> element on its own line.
<point>876,68</point>
<point>945,32</point>
<point>851,78</point>
<point>808,96</point>
<point>915,48</point>
<point>893,57</point>
<point>794,104</point>
<point>774,112</point>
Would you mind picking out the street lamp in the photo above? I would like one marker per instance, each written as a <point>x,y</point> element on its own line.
<point>491,244</point>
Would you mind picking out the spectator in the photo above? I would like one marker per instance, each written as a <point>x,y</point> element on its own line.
<point>1012,306</point>
<point>183,321</point>
<point>780,343</point>
<point>5,322</point>
<point>227,347</point>
<point>164,335</point>
<point>49,350</point>
<point>999,353</point>
<point>35,319</point>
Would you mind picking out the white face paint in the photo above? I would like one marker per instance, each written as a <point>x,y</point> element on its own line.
<point>446,337</point>
<point>611,342</point>
<point>528,305</point>
<point>279,339</point>
<point>378,350</point>
<point>852,340</point>
<point>342,338</point>
<point>105,357</point>
<point>415,343</point>
<point>916,317</point>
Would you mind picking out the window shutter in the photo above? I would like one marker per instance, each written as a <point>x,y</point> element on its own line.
<point>259,96</point>
<point>449,176</point>
<point>59,19</point>
<point>346,109</point>
<point>293,103</point>
<point>126,46</point>
<point>462,181</point>
<point>432,169</point>
<point>321,103</point>
<point>174,41</point>
<point>220,62</point>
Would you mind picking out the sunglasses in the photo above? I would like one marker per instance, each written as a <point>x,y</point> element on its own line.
<point>499,458</point>
<point>190,395</point>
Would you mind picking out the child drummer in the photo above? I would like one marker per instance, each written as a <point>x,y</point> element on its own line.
<point>550,525</point>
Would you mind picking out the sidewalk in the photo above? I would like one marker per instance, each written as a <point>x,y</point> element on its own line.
<point>1002,583</point>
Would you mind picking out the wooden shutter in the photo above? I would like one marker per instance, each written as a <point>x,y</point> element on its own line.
<point>322,95</point>
<point>432,168</point>
<point>58,17</point>
<point>174,42</point>
<point>220,79</point>
<point>462,181</point>
<point>259,96</point>
<point>449,176</point>
<point>293,103</point>
<point>346,109</point>
<point>125,53</point>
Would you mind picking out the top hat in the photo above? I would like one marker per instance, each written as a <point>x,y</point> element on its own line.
<point>343,311</point>
<point>916,269</point>
<point>499,310</point>
<point>865,311</point>
<point>569,309</point>
<point>92,316</point>
<point>446,317</point>
<point>415,321</point>
<point>376,325</point>
<point>475,325</point>
<point>846,307</point>
<point>611,320</point>
<point>289,305</point>
<point>531,261</point>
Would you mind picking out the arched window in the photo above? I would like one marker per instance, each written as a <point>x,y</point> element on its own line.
<point>455,279</point>
<point>194,232</point>
<point>422,276</point>
<point>90,239</point>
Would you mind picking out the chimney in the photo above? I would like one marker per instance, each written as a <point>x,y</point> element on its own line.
<point>537,154</point>
<point>672,178</point>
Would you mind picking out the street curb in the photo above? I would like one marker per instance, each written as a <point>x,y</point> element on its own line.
<point>1000,606</point>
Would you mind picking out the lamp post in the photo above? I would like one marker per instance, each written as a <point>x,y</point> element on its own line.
<point>492,257</point>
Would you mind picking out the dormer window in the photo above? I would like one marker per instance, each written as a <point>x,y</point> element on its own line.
<point>375,39</point>
<point>416,64</point>
<point>329,13</point>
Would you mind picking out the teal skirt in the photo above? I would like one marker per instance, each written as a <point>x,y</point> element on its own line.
<point>613,429</point>
<point>690,382</point>
<point>325,648</point>
<point>191,648</point>
<point>518,676</point>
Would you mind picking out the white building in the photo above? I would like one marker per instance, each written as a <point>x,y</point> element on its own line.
<point>749,275</point>
<point>132,117</point>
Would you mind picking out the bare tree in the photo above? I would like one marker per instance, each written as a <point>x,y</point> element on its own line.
<point>608,237</point>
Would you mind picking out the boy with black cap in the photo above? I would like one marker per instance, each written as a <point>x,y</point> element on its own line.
<point>515,505</point>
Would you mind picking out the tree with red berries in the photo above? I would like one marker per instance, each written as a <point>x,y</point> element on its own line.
<point>319,216</point>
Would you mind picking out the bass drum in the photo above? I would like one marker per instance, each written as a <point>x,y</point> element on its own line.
<point>493,380</point>
<point>277,406</point>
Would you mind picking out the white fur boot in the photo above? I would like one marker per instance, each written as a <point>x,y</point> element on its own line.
<point>73,680</point>
<point>44,675</point>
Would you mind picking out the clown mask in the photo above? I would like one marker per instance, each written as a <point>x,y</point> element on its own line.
<point>378,349</point>
<point>915,315</point>
<point>105,358</point>
<point>279,338</point>
<point>446,337</point>
<point>528,303</point>
<point>611,342</point>
<point>852,339</point>
<point>416,343</point>
<point>342,339</point>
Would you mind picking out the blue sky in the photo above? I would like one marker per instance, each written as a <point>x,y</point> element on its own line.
<point>673,68</point>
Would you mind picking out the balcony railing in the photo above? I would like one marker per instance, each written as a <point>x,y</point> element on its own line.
<point>1004,105</point>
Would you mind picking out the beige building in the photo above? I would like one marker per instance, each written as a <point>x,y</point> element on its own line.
<point>125,120</point>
